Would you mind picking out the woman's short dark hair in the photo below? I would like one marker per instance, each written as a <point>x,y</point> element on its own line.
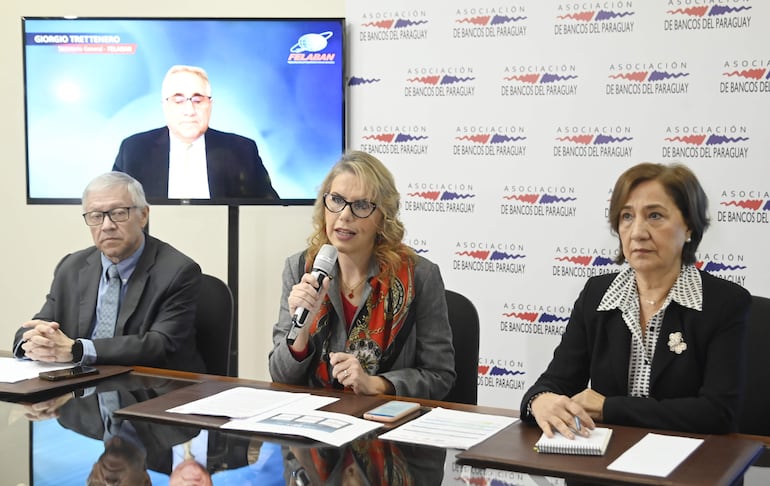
<point>681,185</point>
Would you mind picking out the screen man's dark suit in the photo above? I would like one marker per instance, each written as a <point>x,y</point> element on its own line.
<point>155,324</point>
<point>234,166</point>
<point>697,391</point>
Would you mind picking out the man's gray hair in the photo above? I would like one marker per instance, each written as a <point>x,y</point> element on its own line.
<point>108,180</point>
<point>165,90</point>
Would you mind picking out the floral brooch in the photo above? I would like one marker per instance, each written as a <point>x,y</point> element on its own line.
<point>676,343</point>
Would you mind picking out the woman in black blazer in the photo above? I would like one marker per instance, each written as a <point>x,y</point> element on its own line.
<point>659,344</point>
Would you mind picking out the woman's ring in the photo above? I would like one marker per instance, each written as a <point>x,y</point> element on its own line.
<point>346,373</point>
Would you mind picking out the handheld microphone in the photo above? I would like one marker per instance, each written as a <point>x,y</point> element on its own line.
<point>322,266</point>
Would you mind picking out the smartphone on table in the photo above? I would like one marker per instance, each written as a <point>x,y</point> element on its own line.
<point>392,411</point>
<point>67,373</point>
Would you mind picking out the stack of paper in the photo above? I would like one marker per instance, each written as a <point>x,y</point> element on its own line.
<point>13,370</point>
<point>277,412</point>
<point>452,429</point>
<point>655,455</point>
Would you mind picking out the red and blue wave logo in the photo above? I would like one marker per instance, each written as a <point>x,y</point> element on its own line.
<point>539,198</point>
<point>586,260</point>
<point>595,15</point>
<point>700,139</point>
<point>360,81</point>
<point>490,138</point>
<point>708,11</point>
<point>648,76</point>
<point>599,139</point>
<point>728,266</point>
<point>394,137</point>
<point>440,80</point>
<point>540,78</point>
<point>543,317</point>
<point>489,255</point>
<point>756,74</point>
<point>483,20</point>
<point>393,23</point>
<point>482,478</point>
<point>440,195</point>
<point>752,204</point>
<point>496,370</point>
<point>419,246</point>
<point>715,266</point>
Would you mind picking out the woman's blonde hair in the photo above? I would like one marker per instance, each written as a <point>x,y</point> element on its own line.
<point>389,250</point>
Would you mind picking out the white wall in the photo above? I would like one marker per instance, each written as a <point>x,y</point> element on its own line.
<point>36,237</point>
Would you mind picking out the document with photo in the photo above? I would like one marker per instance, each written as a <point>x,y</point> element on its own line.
<point>328,427</point>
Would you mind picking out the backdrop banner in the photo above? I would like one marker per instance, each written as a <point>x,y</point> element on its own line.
<point>506,125</point>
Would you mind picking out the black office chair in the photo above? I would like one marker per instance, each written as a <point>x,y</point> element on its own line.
<point>214,325</point>
<point>754,417</point>
<point>464,321</point>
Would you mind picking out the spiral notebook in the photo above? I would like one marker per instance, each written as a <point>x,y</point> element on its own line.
<point>594,445</point>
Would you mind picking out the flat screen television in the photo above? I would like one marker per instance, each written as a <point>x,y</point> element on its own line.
<point>92,82</point>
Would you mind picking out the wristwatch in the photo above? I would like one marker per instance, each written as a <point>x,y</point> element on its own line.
<point>77,351</point>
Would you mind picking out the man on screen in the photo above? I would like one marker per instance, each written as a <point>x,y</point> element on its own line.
<point>188,160</point>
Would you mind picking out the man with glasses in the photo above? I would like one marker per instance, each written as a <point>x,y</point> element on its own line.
<point>188,160</point>
<point>128,300</point>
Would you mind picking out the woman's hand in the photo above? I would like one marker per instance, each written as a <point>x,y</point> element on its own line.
<point>348,371</point>
<point>559,413</point>
<point>306,294</point>
<point>592,402</point>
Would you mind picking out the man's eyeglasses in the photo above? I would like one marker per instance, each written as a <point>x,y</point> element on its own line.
<point>197,99</point>
<point>117,215</point>
<point>360,209</point>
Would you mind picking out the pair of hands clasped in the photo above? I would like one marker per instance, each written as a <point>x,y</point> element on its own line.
<point>44,341</point>
<point>558,412</point>
<point>346,368</point>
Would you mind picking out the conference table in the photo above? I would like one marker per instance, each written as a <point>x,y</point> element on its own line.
<point>57,434</point>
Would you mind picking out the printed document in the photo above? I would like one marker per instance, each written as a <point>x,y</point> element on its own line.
<point>453,429</point>
<point>13,370</point>
<point>655,455</point>
<point>242,402</point>
<point>327,427</point>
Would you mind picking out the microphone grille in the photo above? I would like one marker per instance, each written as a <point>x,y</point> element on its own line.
<point>326,258</point>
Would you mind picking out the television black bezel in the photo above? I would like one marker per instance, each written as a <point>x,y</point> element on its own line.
<point>187,202</point>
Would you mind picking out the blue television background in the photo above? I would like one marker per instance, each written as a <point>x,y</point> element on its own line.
<point>62,457</point>
<point>79,107</point>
